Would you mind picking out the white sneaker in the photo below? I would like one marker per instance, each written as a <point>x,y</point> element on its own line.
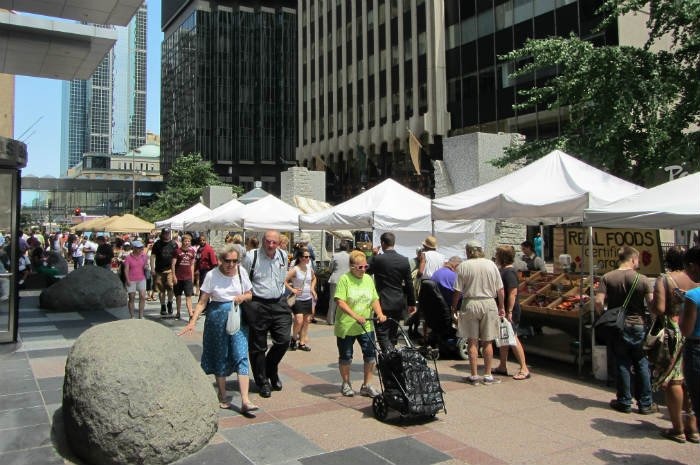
<point>368,390</point>
<point>346,390</point>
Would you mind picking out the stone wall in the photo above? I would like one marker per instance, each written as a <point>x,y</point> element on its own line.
<point>466,165</point>
<point>299,180</point>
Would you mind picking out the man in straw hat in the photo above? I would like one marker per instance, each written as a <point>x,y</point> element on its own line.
<point>479,285</point>
<point>430,259</point>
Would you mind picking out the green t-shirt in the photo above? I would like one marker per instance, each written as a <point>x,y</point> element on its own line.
<point>359,294</point>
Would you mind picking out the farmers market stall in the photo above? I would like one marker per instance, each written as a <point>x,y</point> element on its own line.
<point>552,190</point>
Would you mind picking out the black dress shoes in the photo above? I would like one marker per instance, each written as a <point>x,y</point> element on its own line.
<point>265,390</point>
<point>276,383</point>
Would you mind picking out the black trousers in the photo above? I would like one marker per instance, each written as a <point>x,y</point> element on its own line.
<point>388,332</point>
<point>263,317</point>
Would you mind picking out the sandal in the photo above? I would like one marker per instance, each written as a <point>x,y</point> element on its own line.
<point>693,437</point>
<point>245,408</point>
<point>673,435</point>
<point>224,405</point>
<point>499,371</point>
<point>304,347</point>
<point>521,376</point>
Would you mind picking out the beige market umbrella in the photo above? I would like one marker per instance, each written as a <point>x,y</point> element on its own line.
<point>128,224</point>
<point>95,224</point>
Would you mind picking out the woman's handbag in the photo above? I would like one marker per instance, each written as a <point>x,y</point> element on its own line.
<point>233,323</point>
<point>506,335</point>
<point>612,321</point>
<point>291,299</point>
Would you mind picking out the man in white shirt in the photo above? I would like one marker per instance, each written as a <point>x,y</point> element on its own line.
<point>340,264</point>
<point>89,249</point>
<point>480,286</point>
<point>430,260</point>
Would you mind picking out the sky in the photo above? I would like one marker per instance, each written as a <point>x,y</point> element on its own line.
<point>38,106</point>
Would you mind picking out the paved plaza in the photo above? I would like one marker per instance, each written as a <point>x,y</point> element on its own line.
<point>553,418</point>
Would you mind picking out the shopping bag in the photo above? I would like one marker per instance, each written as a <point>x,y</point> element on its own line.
<point>233,323</point>
<point>506,335</point>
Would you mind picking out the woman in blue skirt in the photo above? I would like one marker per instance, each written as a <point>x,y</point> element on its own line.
<point>223,287</point>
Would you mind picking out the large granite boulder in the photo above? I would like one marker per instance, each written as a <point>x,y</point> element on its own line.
<point>133,394</point>
<point>86,288</point>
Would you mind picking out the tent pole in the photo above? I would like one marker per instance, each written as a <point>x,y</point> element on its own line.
<point>591,272</point>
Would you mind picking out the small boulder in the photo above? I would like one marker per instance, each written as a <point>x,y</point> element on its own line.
<point>85,288</point>
<point>133,393</point>
<point>57,261</point>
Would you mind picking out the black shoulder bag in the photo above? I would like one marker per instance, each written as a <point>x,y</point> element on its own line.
<point>612,321</point>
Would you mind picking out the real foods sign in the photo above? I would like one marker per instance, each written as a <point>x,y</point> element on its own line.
<point>605,244</point>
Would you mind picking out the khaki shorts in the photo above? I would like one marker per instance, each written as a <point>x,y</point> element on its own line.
<point>478,319</point>
<point>163,282</point>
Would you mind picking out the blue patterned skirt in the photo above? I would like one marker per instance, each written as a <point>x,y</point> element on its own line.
<point>222,353</point>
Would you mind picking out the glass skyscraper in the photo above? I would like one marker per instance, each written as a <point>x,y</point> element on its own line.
<point>107,113</point>
<point>229,87</point>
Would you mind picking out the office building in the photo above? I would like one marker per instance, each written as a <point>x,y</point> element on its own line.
<point>107,112</point>
<point>229,87</point>
<point>372,70</point>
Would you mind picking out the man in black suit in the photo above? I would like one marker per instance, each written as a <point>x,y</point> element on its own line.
<point>392,278</point>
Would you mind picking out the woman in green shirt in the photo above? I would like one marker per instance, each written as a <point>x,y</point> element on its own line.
<point>356,297</point>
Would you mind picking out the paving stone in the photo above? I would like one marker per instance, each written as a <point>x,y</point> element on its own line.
<point>22,400</point>
<point>48,384</point>
<point>48,352</point>
<point>54,396</point>
<point>215,454</point>
<point>15,439</point>
<point>39,455</point>
<point>355,456</point>
<point>270,442</point>
<point>16,386</point>
<point>14,364</point>
<point>407,451</point>
<point>23,417</point>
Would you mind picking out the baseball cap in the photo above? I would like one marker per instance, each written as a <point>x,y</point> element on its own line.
<point>474,244</point>
<point>165,231</point>
<point>137,244</point>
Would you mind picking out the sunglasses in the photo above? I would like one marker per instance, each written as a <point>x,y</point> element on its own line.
<point>306,256</point>
<point>231,261</point>
<point>360,267</point>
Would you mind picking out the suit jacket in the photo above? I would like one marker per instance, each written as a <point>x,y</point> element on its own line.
<point>392,278</point>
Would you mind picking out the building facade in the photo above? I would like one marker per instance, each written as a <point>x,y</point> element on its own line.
<point>370,71</point>
<point>107,113</point>
<point>229,87</point>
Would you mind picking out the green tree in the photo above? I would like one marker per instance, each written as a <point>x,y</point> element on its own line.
<point>187,178</point>
<point>631,110</point>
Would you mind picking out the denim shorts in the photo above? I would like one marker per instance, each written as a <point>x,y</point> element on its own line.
<point>346,343</point>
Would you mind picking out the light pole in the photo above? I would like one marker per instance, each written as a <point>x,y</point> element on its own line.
<point>133,180</point>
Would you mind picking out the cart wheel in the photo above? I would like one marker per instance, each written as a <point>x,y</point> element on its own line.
<point>380,408</point>
<point>463,348</point>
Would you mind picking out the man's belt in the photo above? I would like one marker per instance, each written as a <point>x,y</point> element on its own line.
<point>266,301</point>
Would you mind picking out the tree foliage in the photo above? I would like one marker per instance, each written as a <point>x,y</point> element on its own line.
<point>186,181</point>
<point>632,110</point>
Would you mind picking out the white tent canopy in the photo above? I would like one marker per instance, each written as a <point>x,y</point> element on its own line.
<point>675,204</point>
<point>266,213</point>
<point>552,190</point>
<point>176,222</point>
<point>389,206</point>
<point>205,221</point>
<point>309,205</point>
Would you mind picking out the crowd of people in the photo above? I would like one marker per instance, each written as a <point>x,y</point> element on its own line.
<point>275,289</point>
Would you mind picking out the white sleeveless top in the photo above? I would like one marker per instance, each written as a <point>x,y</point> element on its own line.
<point>302,280</point>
